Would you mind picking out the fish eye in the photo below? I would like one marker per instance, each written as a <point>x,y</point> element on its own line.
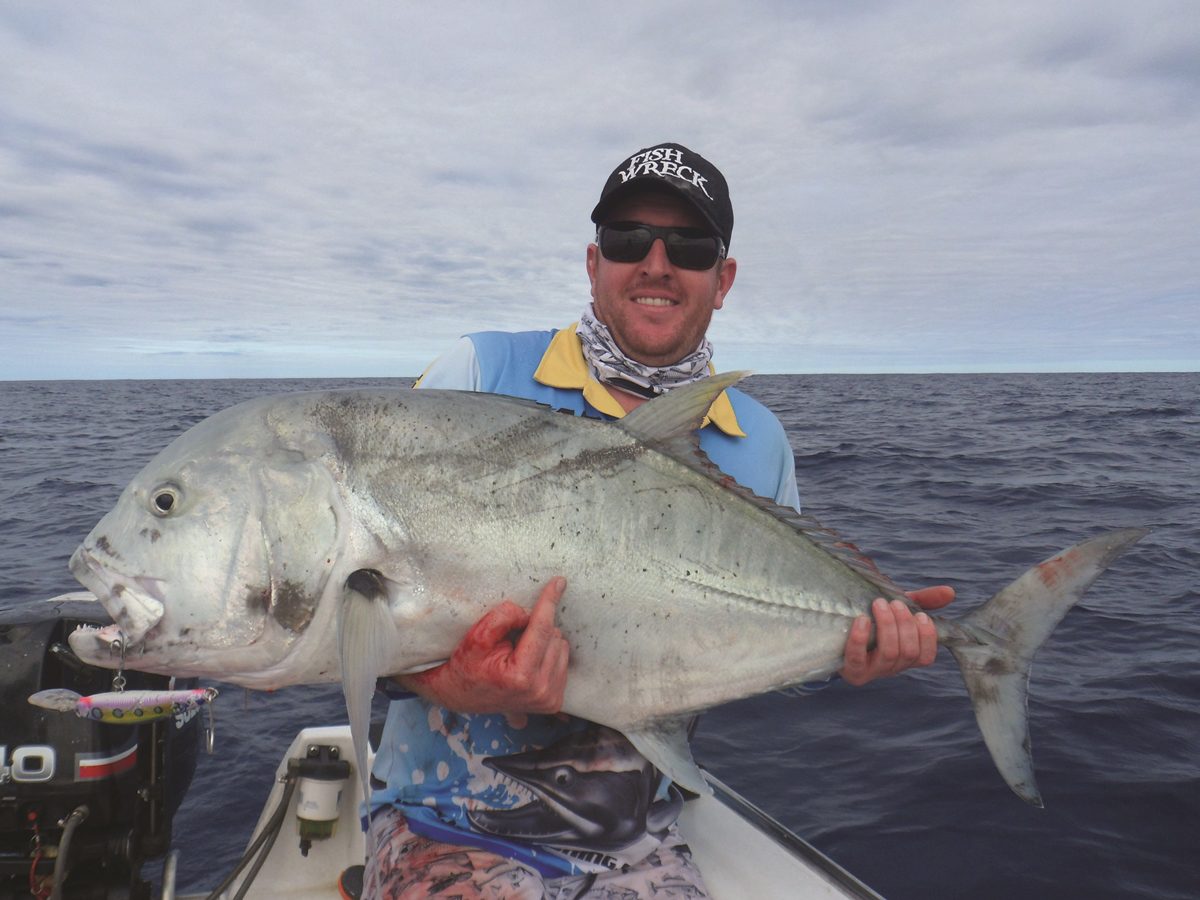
<point>164,500</point>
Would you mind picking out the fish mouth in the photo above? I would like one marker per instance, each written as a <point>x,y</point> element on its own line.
<point>134,601</point>
<point>534,821</point>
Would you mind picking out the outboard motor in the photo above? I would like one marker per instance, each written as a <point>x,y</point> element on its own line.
<point>83,802</point>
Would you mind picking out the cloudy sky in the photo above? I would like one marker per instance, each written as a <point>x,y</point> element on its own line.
<point>245,189</point>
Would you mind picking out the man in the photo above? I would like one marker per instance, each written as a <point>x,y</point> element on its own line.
<point>465,762</point>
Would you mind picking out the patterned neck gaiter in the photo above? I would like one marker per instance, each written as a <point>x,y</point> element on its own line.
<point>610,365</point>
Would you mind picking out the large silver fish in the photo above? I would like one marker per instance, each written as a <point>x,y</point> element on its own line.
<point>348,534</point>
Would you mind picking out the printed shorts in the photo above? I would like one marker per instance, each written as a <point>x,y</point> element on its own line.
<point>406,866</point>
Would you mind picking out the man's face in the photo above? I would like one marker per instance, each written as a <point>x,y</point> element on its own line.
<point>657,312</point>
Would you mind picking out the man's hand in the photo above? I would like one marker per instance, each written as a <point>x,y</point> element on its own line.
<point>487,672</point>
<point>902,639</point>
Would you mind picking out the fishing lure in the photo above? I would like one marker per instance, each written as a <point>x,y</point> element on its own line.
<point>125,707</point>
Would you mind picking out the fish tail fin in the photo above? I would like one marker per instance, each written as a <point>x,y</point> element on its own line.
<point>996,643</point>
<point>365,638</point>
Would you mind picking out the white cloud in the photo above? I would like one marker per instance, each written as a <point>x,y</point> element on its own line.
<point>246,189</point>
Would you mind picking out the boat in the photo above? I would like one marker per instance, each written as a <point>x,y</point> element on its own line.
<point>741,850</point>
<point>87,827</point>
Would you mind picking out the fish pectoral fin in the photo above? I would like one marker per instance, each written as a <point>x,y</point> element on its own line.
<point>60,699</point>
<point>665,745</point>
<point>423,667</point>
<point>366,634</point>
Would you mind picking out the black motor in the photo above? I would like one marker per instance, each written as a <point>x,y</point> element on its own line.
<point>100,796</point>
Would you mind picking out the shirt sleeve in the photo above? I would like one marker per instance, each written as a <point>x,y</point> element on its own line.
<point>455,370</point>
<point>788,493</point>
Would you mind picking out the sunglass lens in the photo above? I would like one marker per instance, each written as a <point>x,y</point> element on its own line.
<point>692,252</point>
<point>625,244</point>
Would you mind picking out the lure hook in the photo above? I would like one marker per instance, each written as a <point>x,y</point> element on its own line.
<point>118,646</point>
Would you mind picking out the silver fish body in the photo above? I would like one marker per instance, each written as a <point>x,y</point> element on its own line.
<point>233,555</point>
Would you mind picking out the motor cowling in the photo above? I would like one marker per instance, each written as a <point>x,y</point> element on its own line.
<point>101,795</point>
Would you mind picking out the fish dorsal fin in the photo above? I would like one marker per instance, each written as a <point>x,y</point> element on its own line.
<point>835,545</point>
<point>669,424</point>
<point>818,534</point>
<point>679,412</point>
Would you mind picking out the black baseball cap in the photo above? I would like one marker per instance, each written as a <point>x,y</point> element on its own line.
<point>678,170</point>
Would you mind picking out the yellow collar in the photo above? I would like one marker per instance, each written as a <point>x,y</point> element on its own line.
<point>563,366</point>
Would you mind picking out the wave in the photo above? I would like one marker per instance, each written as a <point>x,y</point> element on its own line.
<point>962,479</point>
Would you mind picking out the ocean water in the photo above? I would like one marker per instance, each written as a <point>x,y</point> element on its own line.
<point>959,479</point>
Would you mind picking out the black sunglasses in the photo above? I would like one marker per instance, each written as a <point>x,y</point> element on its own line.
<point>688,248</point>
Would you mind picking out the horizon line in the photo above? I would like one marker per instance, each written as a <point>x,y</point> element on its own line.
<point>856,374</point>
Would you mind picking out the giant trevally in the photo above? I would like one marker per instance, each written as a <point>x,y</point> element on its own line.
<point>349,534</point>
